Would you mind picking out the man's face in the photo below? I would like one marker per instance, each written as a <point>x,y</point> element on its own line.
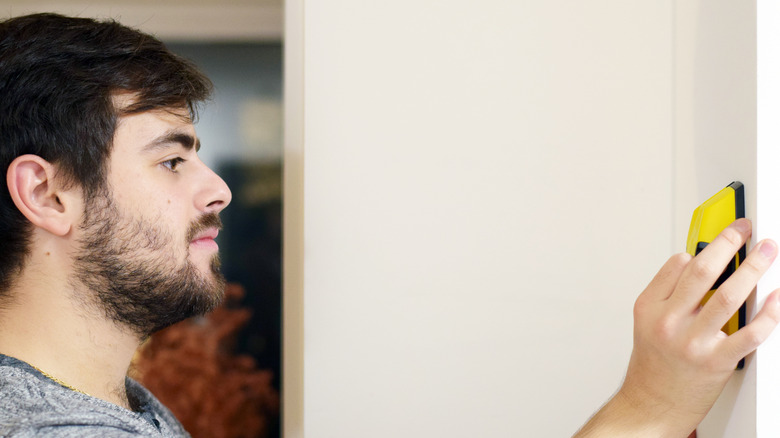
<point>147,246</point>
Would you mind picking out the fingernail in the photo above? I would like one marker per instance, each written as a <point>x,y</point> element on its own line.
<point>768,249</point>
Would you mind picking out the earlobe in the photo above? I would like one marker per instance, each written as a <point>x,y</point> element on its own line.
<point>31,184</point>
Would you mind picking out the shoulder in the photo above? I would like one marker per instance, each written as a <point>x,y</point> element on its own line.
<point>32,405</point>
<point>153,410</point>
<point>53,427</point>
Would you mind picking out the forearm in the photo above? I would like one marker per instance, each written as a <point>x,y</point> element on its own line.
<point>624,417</point>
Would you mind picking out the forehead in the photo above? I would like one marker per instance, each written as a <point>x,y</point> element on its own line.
<point>149,130</point>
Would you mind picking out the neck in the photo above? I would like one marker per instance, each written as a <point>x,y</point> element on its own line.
<point>49,329</point>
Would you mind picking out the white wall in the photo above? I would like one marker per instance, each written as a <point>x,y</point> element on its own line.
<point>715,134</point>
<point>767,357</point>
<point>485,188</point>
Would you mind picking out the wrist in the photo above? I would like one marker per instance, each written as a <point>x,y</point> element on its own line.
<point>652,413</point>
<point>627,416</point>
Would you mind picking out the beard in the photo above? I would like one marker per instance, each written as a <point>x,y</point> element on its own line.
<point>129,271</point>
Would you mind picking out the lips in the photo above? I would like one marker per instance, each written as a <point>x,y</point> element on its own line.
<point>208,233</point>
<point>204,230</point>
<point>205,238</point>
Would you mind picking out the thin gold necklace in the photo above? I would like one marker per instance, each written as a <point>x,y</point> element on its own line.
<point>59,381</point>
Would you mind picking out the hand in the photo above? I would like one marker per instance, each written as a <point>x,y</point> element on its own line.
<point>681,359</point>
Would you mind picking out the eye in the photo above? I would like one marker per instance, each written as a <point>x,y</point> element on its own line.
<point>173,163</point>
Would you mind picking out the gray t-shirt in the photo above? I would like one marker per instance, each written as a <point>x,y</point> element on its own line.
<point>33,405</point>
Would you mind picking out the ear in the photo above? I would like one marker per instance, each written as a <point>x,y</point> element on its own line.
<point>36,194</point>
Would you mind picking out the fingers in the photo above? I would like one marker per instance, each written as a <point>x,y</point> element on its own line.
<point>748,338</point>
<point>735,290</point>
<point>662,285</point>
<point>702,272</point>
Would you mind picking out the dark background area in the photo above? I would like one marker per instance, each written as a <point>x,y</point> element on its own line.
<point>240,131</point>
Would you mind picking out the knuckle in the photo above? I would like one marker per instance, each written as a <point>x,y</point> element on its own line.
<point>639,307</point>
<point>703,270</point>
<point>750,267</point>
<point>773,313</point>
<point>680,260</point>
<point>732,236</point>
<point>692,352</point>
<point>749,341</point>
<point>643,309</point>
<point>725,299</point>
<point>664,329</point>
<point>703,356</point>
<point>753,339</point>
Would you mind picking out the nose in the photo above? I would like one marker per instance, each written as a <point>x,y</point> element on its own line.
<point>213,193</point>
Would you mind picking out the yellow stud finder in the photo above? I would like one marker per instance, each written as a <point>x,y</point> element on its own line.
<point>709,219</point>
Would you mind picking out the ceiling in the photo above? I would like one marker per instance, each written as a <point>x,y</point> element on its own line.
<point>174,20</point>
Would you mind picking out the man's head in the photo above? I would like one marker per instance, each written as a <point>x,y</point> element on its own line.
<point>106,111</point>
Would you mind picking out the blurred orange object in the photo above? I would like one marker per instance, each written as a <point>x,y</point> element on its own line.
<point>192,368</point>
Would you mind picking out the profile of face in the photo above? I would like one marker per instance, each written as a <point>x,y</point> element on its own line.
<point>147,257</point>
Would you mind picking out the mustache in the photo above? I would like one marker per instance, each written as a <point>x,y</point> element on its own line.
<point>208,220</point>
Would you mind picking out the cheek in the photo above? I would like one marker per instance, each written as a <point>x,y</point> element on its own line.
<point>134,192</point>
<point>154,197</point>
<point>172,210</point>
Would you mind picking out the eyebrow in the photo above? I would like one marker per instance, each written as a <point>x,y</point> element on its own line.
<point>183,139</point>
